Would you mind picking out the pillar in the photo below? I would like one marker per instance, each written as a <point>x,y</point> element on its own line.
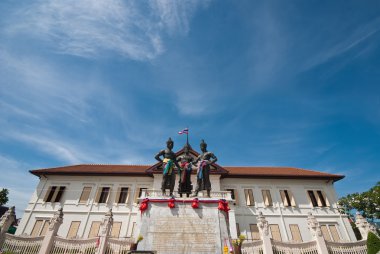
<point>316,233</point>
<point>51,233</point>
<point>105,229</point>
<point>5,222</point>
<point>263,226</point>
<point>363,225</point>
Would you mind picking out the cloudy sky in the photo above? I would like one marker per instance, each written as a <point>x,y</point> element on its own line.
<point>273,83</point>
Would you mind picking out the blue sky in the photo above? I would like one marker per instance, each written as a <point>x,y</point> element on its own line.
<point>273,83</point>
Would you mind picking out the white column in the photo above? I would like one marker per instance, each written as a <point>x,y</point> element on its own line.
<point>263,226</point>
<point>105,229</point>
<point>316,233</point>
<point>6,221</point>
<point>51,233</point>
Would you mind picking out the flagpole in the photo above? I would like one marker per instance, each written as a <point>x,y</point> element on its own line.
<point>187,136</point>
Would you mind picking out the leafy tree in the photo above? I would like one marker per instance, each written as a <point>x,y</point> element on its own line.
<point>367,203</point>
<point>3,196</point>
<point>373,243</point>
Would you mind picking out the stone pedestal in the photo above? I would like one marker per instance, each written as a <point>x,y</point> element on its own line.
<point>183,229</point>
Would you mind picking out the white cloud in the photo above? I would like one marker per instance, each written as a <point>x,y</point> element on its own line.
<point>90,28</point>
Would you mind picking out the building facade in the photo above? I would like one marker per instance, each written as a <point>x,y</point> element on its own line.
<point>284,195</point>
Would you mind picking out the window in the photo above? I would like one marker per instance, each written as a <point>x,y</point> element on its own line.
<point>94,230</point>
<point>37,228</point>
<point>287,198</point>
<point>73,230</point>
<point>249,201</point>
<point>267,198</point>
<point>254,231</point>
<point>318,198</point>
<point>45,227</point>
<point>121,195</point>
<point>54,193</point>
<point>139,194</point>
<point>325,233</point>
<point>334,233</point>
<point>102,195</point>
<point>296,234</point>
<point>330,233</point>
<point>275,231</point>
<point>115,232</point>
<point>85,195</point>
<point>234,195</point>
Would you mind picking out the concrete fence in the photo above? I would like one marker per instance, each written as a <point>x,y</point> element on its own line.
<point>52,244</point>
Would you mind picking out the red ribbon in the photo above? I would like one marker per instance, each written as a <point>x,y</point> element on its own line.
<point>144,205</point>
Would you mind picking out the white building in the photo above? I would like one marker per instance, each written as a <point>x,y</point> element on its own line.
<point>284,195</point>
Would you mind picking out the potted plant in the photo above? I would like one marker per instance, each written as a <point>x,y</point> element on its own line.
<point>134,245</point>
<point>237,244</point>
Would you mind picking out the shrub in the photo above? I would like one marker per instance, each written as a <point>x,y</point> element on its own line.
<point>373,243</point>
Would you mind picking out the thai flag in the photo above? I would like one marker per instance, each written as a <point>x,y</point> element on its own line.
<point>184,131</point>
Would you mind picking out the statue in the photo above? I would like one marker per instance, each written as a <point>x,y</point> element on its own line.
<point>203,172</point>
<point>168,177</point>
<point>185,160</point>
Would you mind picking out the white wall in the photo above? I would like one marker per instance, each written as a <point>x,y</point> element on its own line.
<point>128,213</point>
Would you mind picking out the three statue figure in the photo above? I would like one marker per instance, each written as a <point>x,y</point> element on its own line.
<point>186,161</point>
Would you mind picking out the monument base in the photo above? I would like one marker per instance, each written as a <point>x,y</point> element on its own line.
<point>184,229</point>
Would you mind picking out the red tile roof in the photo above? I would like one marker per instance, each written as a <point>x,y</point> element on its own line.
<point>279,172</point>
<point>228,172</point>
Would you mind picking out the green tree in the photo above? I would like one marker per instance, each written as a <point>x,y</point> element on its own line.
<point>3,196</point>
<point>367,203</point>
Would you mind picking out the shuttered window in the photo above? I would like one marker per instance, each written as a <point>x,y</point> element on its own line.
<point>296,234</point>
<point>249,201</point>
<point>54,193</point>
<point>73,230</point>
<point>325,233</point>
<point>122,195</point>
<point>94,230</point>
<point>102,194</point>
<point>37,228</point>
<point>115,232</point>
<point>254,231</point>
<point>312,197</point>
<point>287,198</point>
<point>45,227</point>
<point>85,194</point>
<point>275,231</point>
<point>334,233</point>
<point>318,198</point>
<point>267,198</point>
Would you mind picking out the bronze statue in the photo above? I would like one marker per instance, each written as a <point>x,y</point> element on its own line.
<point>168,163</point>
<point>203,174</point>
<point>185,160</point>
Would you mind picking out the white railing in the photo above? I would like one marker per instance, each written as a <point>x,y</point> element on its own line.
<point>296,248</point>
<point>202,194</point>
<point>77,246</point>
<point>255,247</point>
<point>22,244</point>
<point>359,247</point>
<point>118,246</point>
